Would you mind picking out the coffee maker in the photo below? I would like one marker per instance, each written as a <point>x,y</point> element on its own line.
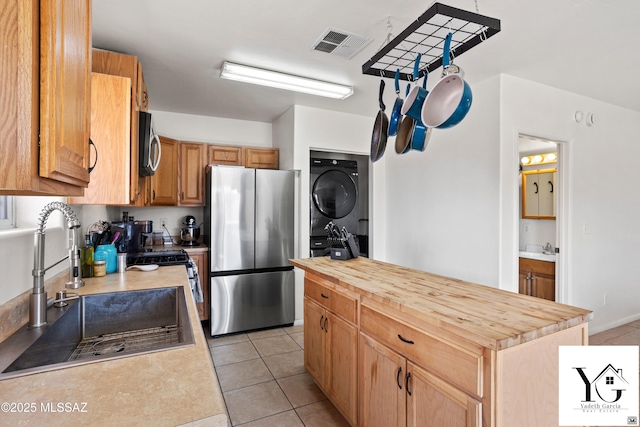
<point>136,234</point>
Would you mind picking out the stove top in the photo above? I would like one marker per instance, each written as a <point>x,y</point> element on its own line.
<point>161,258</point>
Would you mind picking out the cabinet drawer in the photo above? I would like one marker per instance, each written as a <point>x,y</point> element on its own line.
<point>547,268</point>
<point>341,304</point>
<point>460,366</point>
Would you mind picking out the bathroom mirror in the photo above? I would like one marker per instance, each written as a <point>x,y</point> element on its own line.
<point>538,194</point>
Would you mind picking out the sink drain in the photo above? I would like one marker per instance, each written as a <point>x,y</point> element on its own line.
<point>108,346</point>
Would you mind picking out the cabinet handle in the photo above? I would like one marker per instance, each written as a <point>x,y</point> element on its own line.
<point>536,184</point>
<point>321,319</point>
<point>324,296</point>
<point>407,383</point>
<point>398,378</point>
<point>182,195</point>
<point>404,339</point>
<point>325,324</point>
<point>95,162</point>
<point>551,184</point>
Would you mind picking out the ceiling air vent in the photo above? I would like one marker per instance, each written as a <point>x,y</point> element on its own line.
<point>340,43</point>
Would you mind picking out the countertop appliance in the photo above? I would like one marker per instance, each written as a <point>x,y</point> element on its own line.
<point>249,215</point>
<point>190,232</point>
<point>135,235</point>
<point>334,197</point>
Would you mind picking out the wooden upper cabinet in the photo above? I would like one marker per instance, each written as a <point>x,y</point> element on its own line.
<point>143,94</point>
<point>110,129</point>
<point>118,64</point>
<point>164,182</point>
<point>191,174</point>
<point>224,155</point>
<point>63,147</point>
<point>260,158</point>
<point>65,88</point>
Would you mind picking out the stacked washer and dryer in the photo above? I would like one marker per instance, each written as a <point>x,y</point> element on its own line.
<point>334,197</point>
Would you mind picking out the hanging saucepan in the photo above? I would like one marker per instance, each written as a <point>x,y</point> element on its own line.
<point>421,133</point>
<point>450,99</point>
<point>412,105</point>
<point>394,120</point>
<point>380,129</point>
<point>405,130</point>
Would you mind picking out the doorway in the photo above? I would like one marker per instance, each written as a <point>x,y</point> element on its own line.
<point>539,200</point>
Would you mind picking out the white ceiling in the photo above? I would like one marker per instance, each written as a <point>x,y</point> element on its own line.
<point>590,47</point>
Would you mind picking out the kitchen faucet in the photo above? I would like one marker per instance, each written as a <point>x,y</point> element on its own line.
<point>38,297</point>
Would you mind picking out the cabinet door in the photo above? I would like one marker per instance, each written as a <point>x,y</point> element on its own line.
<point>314,336</point>
<point>530,192</point>
<point>65,88</point>
<point>192,174</point>
<point>164,182</point>
<point>260,158</point>
<point>224,155</point>
<point>341,365</point>
<point>546,199</point>
<point>110,114</point>
<point>434,402</point>
<point>381,390</point>
<point>523,282</point>
<point>543,287</point>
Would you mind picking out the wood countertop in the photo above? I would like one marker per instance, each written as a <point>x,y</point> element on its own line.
<point>490,317</point>
<point>166,388</point>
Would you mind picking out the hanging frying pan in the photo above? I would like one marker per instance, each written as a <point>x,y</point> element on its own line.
<point>380,129</point>
<point>394,120</point>
<point>405,130</point>
<point>421,133</point>
<point>413,102</point>
<point>450,99</point>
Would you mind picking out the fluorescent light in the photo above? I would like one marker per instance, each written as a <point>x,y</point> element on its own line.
<point>259,76</point>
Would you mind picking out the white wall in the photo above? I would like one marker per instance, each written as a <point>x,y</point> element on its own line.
<point>216,130</point>
<point>16,246</point>
<point>601,181</point>
<point>442,204</point>
<point>316,129</point>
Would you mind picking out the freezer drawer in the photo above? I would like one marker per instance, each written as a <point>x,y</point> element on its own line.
<point>251,301</point>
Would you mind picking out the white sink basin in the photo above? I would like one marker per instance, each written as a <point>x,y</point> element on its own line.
<point>537,255</point>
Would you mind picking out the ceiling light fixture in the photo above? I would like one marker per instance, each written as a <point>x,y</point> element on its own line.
<point>260,76</point>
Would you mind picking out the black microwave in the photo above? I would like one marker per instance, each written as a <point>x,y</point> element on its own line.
<point>149,152</point>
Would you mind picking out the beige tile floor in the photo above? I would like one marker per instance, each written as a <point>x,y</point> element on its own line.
<point>264,382</point>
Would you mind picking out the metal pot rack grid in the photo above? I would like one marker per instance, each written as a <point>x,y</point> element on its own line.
<point>426,35</point>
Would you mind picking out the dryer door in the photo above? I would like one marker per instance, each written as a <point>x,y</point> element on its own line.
<point>334,194</point>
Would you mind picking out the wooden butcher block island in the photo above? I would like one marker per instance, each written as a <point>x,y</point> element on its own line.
<point>394,346</point>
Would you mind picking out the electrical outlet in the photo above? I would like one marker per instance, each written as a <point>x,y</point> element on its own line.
<point>163,222</point>
<point>604,300</point>
<point>526,228</point>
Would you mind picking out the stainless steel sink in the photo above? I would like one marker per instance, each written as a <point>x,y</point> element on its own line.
<point>100,327</point>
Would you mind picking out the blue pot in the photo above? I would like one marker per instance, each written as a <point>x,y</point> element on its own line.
<point>450,99</point>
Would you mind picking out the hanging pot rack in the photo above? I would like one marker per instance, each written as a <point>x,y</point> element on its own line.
<point>426,36</point>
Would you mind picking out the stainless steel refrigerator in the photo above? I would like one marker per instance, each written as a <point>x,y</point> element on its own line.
<point>249,216</point>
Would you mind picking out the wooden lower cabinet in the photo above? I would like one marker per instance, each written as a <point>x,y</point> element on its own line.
<point>330,356</point>
<point>394,391</point>
<point>200,258</point>
<point>537,278</point>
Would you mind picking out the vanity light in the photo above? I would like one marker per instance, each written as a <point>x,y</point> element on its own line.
<point>539,159</point>
<point>280,80</point>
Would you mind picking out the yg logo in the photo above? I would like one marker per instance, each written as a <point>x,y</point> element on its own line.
<point>606,384</point>
<point>598,385</point>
